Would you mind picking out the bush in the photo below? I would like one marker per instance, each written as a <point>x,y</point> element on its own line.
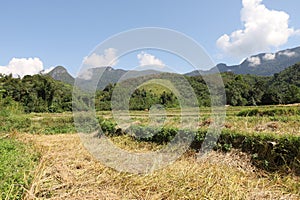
<point>86,122</point>
<point>108,127</point>
<point>269,152</point>
<point>11,116</point>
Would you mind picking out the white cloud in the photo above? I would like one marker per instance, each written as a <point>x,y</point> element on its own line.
<point>146,59</point>
<point>22,66</point>
<point>288,53</point>
<point>109,58</point>
<point>86,74</point>
<point>269,56</point>
<point>46,71</point>
<point>254,61</point>
<point>263,29</point>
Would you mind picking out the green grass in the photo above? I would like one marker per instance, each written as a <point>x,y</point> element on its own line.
<point>17,162</point>
<point>155,87</point>
<point>52,125</point>
<point>12,122</point>
<point>287,111</point>
<point>278,120</point>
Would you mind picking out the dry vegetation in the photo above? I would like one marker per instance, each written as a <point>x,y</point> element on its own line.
<point>67,171</point>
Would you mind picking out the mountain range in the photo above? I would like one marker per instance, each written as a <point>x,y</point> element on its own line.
<point>91,77</point>
<point>264,64</point>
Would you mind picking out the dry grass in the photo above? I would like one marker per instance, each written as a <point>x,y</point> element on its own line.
<point>279,125</point>
<point>68,171</point>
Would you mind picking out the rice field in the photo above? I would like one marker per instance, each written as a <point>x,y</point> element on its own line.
<point>64,169</point>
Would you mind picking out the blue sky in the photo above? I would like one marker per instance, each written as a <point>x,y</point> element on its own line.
<point>60,32</point>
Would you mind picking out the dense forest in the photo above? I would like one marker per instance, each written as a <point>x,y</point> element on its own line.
<point>41,93</point>
<point>241,90</point>
<point>37,93</point>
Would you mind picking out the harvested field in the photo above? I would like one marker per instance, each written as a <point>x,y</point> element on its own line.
<point>67,171</point>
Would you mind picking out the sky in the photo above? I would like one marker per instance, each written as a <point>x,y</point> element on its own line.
<point>39,35</point>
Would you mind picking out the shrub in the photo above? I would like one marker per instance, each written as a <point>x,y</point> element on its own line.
<point>270,152</point>
<point>86,122</point>
<point>108,127</point>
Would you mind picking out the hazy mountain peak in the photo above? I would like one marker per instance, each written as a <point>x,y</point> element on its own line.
<point>61,74</point>
<point>264,64</point>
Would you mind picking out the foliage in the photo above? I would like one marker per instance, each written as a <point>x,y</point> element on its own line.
<point>141,99</point>
<point>152,134</point>
<point>51,125</point>
<point>40,93</point>
<point>269,152</point>
<point>241,90</point>
<point>85,122</point>
<point>11,117</point>
<point>284,87</point>
<point>37,93</point>
<point>16,164</point>
<point>108,127</point>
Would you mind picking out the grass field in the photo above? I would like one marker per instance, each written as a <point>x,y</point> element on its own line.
<point>66,170</point>
<point>17,162</point>
<point>283,124</point>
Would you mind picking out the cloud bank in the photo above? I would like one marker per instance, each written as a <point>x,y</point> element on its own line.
<point>254,61</point>
<point>146,59</point>
<point>109,58</point>
<point>263,29</point>
<point>288,53</point>
<point>269,56</point>
<point>22,66</point>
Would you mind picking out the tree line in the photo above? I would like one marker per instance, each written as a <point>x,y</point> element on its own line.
<point>41,93</point>
<point>37,93</point>
<point>241,90</point>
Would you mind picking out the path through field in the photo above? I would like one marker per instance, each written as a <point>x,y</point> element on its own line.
<point>68,171</point>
